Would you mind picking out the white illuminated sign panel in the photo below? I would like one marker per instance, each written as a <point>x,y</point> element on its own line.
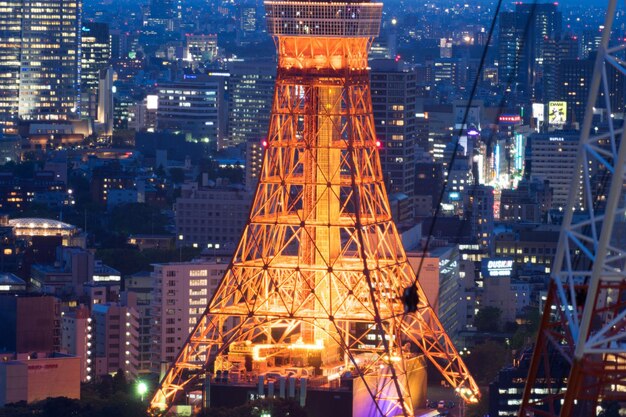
<point>107,278</point>
<point>499,267</point>
<point>538,111</point>
<point>152,102</point>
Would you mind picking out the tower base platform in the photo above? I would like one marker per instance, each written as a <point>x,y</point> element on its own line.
<point>342,396</point>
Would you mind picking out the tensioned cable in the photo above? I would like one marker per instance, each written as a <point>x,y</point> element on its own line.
<point>464,121</point>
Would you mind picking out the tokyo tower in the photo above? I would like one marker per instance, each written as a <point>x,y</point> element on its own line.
<point>320,278</point>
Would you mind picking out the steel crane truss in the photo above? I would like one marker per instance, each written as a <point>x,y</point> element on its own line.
<point>320,266</point>
<point>584,321</point>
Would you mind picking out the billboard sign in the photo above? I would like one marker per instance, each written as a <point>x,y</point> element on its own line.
<point>557,113</point>
<point>510,119</point>
<point>500,267</point>
<point>538,111</point>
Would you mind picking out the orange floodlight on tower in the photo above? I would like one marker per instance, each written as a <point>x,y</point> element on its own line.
<point>320,267</point>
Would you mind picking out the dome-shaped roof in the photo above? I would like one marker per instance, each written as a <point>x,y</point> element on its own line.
<point>33,222</point>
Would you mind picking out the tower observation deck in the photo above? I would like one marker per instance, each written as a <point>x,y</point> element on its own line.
<point>318,284</point>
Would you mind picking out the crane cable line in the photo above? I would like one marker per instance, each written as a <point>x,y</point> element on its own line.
<point>509,82</point>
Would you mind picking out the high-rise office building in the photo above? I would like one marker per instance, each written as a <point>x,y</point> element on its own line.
<point>385,45</point>
<point>523,36</point>
<point>95,53</point>
<point>440,120</point>
<point>440,278</point>
<point>49,85</point>
<point>161,11</point>
<point>10,47</point>
<point>555,52</point>
<point>393,100</point>
<point>201,49</point>
<point>181,293</point>
<point>251,88</point>
<point>39,60</point>
<point>573,87</point>
<point>193,105</point>
<point>429,179</point>
<point>105,108</point>
<point>248,18</point>
<point>590,40</point>
<point>449,71</point>
<point>95,58</point>
<point>509,47</point>
<point>553,158</point>
<point>480,213</point>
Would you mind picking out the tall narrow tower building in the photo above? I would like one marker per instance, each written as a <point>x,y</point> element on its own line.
<point>319,288</point>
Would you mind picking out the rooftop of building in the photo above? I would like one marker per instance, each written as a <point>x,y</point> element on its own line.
<point>150,236</point>
<point>103,308</point>
<point>52,269</point>
<point>11,358</point>
<point>11,279</point>
<point>100,268</point>
<point>224,260</point>
<point>436,252</point>
<point>558,136</point>
<point>40,223</point>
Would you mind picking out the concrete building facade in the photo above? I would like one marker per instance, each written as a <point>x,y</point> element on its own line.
<point>211,215</point>
<point>439,277</point>
<point>76,335</point>
<point>115,339</point>
<point>553,158</point>
<point>33,378</point>
<point>393,101</point>
<point>181,294</point>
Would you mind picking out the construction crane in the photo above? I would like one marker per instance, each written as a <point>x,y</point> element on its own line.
<point>579,359</point>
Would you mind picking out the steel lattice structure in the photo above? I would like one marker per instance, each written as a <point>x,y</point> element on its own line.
<point>580,355</point>
<point>320,264</point>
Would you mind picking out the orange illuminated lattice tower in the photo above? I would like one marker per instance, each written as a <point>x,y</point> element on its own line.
<point>320,267</point>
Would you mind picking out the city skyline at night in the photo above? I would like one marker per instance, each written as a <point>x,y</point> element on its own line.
<point>313,208</point>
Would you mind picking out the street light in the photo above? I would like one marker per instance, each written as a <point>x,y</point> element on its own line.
<point>142,389</point>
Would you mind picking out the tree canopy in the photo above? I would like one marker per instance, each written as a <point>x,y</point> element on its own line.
<point>488,319</point>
